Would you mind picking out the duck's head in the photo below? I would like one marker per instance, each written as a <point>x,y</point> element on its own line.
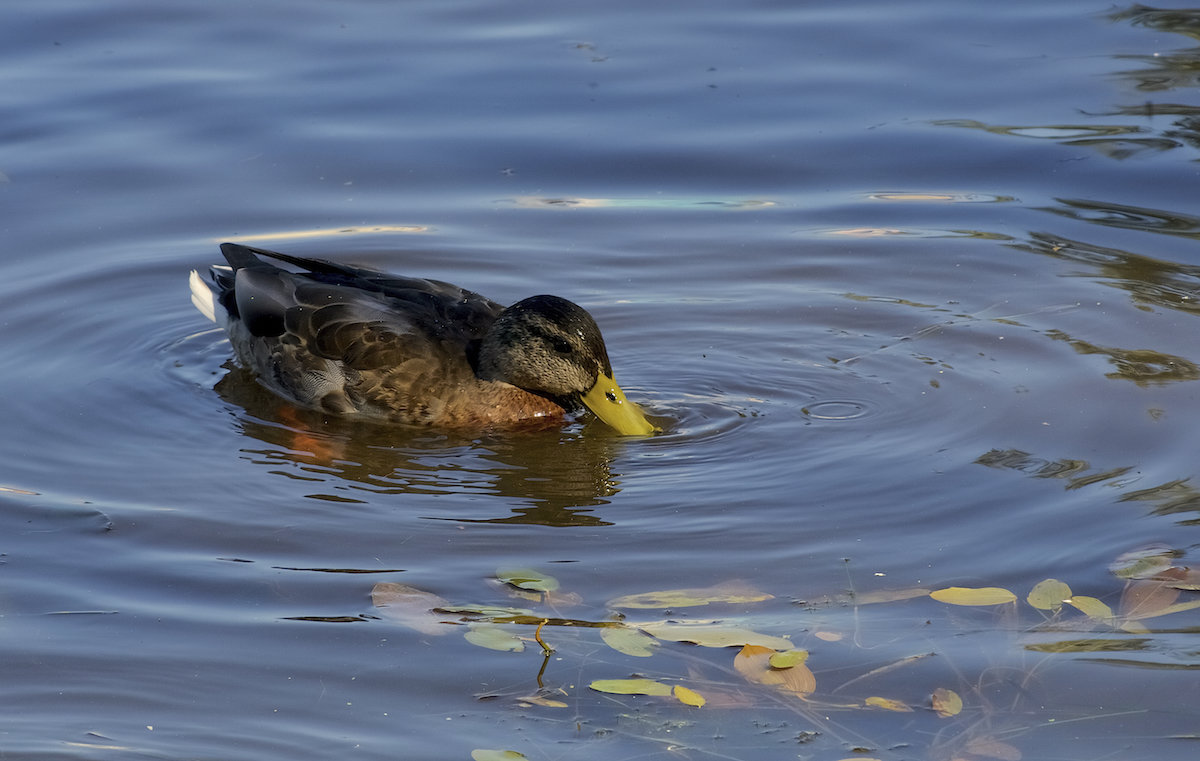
<point>552,347</point>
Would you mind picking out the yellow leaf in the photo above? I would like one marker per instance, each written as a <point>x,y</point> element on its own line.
<point>690,598</point>
<point>888,704</point>
<point>946,703</point>
<point>712,635</point>
<point>689,697</point>
<point>1049,595</point>
<point>630,687</point>
<point>482,754</point>
<point>973,596</point>
<point>788,659</point>
<point>1091,607</point>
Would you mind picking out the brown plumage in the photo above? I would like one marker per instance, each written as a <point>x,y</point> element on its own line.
<point>354,341</point>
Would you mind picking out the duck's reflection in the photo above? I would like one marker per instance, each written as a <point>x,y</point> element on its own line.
<point>551,477</point>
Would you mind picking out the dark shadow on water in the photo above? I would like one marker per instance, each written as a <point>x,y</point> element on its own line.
<point>1156,73</point>
<point>1176,497</point>
<point>550,477</point>
<point>1150,282</point>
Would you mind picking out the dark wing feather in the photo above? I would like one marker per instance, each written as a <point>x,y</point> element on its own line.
<point>344,338</point>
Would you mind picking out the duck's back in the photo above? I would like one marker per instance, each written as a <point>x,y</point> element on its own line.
<point>354,340</point>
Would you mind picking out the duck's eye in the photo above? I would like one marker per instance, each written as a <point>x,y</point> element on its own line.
<point>560,345</point>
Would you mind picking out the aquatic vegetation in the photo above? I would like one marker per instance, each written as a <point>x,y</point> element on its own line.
<point>785,659</point>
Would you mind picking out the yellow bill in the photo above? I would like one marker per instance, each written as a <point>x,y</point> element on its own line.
<point>608,402</point>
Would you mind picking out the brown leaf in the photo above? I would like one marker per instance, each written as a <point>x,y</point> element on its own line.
<point>1143,598</point>
<point>409,606</point>
<point>754,663</point>
<point>990,747</point>
<point>1182,578</point>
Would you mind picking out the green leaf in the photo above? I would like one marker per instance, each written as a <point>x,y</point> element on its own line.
<point>946,703</point>
<point>631,687</point>
<point>973,596</point>
<point>1091,607</point>
<point>1090,645</point>
<point>527,578</point>
<point>494,638</point>
<point>1145,563</point>
<point>497,755</point>
<point>486,611</point>
<point>712,635</point>
<point>1049,594</point>
<point>690,598</point>
<point>629,641</point>
<point>788,659</point>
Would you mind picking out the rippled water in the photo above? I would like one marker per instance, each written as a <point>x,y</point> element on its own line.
<point>910,289</point>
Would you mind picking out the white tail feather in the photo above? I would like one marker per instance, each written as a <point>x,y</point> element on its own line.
<point>204,299</point>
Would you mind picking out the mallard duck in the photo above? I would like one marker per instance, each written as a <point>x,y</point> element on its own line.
<point>354,341</point>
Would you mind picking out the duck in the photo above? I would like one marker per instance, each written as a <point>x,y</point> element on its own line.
<point>358,342</point>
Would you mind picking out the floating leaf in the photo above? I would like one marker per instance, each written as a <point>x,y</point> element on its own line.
<point>754,663</point>
<point>542,700</point>
<point>828,636</point>
<point>1188,578</point>
<point>1089,646</point>
<point>946,703</point>
<point>409,607</point>
<point>497,755</point>
<point>788,658</point>
<point>888,704</point>
<point>1133,627</point>
<point>887,595</point>
<point>1178,607</point>
<point>690,598</point>
<point>990,747</point>
<point>1144,563</point>
<point>973,596</point>
<point>491,612</point>
<point>494,638</point>
<point>688,697</point>
<point>1091,607</point>
<point>1143,599</point>
<point>631,687</point>
<point>1049,595</point>
<point>527,578</point>
<point>712,635</point>
<point>629,641</point>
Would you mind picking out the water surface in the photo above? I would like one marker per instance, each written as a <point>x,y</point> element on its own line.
<point>909,287</point>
